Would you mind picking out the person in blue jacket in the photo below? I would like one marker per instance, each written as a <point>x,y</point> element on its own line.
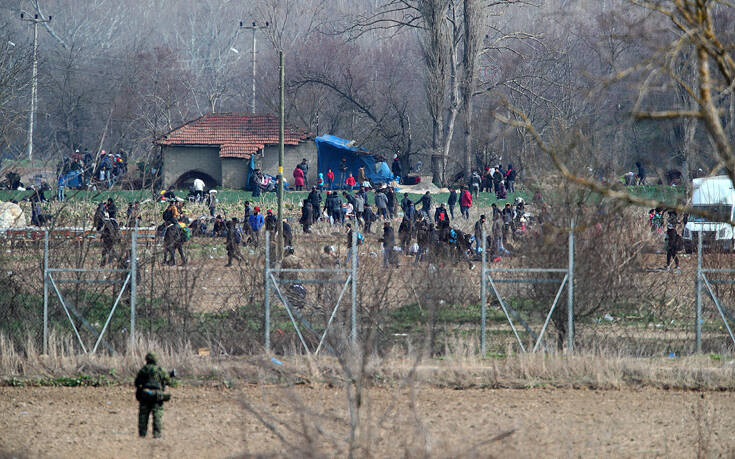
<point>256,223</point>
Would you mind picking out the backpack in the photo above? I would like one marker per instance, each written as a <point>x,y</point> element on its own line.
<point>237,235</point>
<point>167,214</point>
<point>360,238</point>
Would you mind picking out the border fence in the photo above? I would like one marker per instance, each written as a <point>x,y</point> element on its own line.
<point>312,330</point>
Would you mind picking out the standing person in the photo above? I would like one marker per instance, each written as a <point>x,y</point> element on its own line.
<point>465,202</point>
<point>673,245</point>
<point>298,178</point>
<point>233,237</point>
<point>304,166</point>
<point>307,215</point>
<point>510,176</point>
<point>199,188</point>
<point>320,181</point>
<point>255,182</point>
<point>410,211</point>
<point>641,173</point>
<point>350,182</point>
<point>478,230</point>
<point>500,250</point>
<point>315,197</point>
<point>271,223</point>
<point>396,166</point>
<point>425,202</point>
<point>441,218</point>
<point>487,181</point>
<point>359,205</point>
<point>111,209</point>
<point>389,241</point>
<point>361,177</point>
<point>330,179</point>
<point>452,201</point>
<point>61,184</point>
<point>507,215</point>
<point>343,168</point>
<point>256,223</point>
<point>405,202</point>
<point>497,179</point>
<point>368,217</point>
<point>391,196</point>
<point>405,233</point>
<point>381,202</point>
<point>150,386</point>
<point>133,216</point>
<point>335,209</point>
<point>475,183</point>
<point>212,202</point>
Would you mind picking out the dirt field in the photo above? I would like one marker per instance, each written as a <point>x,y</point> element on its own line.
<point>211,422</point>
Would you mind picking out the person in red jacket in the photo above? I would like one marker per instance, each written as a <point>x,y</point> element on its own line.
<point>350,182</point>
<point>330,179</point>
<point>465,202</point>
<point>298,179</point>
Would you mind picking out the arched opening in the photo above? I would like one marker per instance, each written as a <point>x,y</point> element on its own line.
<point>187,179</point>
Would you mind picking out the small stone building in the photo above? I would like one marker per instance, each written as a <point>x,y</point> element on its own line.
<point>217,148</point>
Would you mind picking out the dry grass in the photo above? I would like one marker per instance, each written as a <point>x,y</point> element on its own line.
<point>460,368</point>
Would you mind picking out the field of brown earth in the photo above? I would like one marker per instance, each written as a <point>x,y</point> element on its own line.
<point>213,422</point>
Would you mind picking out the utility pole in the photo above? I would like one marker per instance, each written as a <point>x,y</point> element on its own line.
<point>254,27</point>
<point>35,20</point>
<point>281,135</point>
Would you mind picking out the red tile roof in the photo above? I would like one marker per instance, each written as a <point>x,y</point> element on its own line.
<point>237,134</point>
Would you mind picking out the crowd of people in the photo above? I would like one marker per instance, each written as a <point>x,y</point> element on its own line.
<point>83,170</point>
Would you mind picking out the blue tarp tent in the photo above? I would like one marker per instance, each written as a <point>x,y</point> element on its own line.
<point>331,150</point>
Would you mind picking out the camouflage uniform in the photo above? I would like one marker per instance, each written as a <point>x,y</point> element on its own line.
<point>153,378</point>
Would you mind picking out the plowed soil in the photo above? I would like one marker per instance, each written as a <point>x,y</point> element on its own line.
<point>212,422</point>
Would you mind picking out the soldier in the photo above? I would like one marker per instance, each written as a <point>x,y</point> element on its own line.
<point>150,385</point>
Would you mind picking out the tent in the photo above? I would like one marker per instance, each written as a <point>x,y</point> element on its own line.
<point>331,150</point>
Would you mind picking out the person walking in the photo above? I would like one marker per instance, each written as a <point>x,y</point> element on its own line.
<point>61,185</point>
<point>150,387</point>
<point>465,202</point>
<point>330,179</point>
<point>233,238</point>
<point>381,202</point>
<point>452,201</point>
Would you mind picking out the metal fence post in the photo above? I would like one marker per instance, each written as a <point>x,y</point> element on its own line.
<point>354,285</point>
<point>133,283</point>
<point>45,292</point>
<point>698,284</point>
<point>483,296</point>
<point>266,294</point>
<point>570,291</point>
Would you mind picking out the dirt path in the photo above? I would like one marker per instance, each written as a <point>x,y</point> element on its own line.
<point>211,422</point>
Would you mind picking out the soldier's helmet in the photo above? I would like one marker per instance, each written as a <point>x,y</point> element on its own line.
<point>150,358</point>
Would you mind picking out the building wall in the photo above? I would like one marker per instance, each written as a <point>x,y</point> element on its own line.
<point>292,156</point>
<point>234,172</point>
<point>178,160</point>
